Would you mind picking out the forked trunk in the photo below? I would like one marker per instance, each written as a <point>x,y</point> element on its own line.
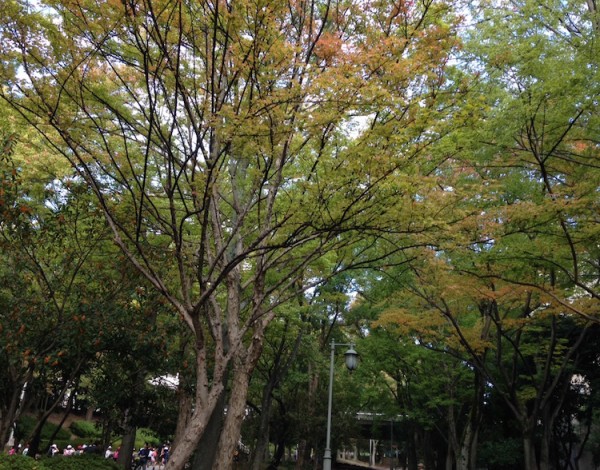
<point>192,434</point>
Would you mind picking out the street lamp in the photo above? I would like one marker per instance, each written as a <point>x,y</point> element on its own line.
<point>351,363</point>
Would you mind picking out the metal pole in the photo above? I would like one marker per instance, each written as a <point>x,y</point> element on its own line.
<point>327,455</point>
<point>392,453</point>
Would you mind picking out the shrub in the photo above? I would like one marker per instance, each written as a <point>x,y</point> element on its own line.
<point>26,424</point>
<point>144,435</point>
<point>79,462</point>
<point>84,429</point>
<point>506,453</point>
<point>19,462</point>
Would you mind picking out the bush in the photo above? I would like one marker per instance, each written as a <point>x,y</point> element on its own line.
<point>85,429</point>
<point>79,462</point>
<point>19,462</point>
<point>506,453</point>
<point>26,424</point>
<point>144,435</point>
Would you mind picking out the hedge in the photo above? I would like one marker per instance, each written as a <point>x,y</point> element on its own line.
<point>76,462</point>
<point>19,462</point>
<point>85,429</point>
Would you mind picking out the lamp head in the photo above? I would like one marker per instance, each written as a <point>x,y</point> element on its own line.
<point>351,359</point>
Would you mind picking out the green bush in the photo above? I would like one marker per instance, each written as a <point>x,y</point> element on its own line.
<point>85,429</point>
<point>144,435</point>
<point>506,453</point>
<point>19,462</point>
<point>26,424</point>
<point>79,462</point>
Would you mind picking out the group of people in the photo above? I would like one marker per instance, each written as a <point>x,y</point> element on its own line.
<point>151,458</point>
<point>147,458</point>
<point>69,450</point>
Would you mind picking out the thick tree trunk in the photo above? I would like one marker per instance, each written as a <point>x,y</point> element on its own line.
<point>530,462</point>
<point>127,445</point>
<point>236,410</point>
<point>185,409</point>
<point>192,434</point>
<point>206,451</point>
<point>449,458</point>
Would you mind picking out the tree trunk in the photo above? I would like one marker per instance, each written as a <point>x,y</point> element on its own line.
<point>463,459</point>
<point>529,452</point>
<point>548,457</point>
<point>262,444</point>
<point>303,454</point>
<point>127,445</point>
<point>449,457</point>
<point>9,417</point>
<point>206,451</point>
<point>413,460</point>
<point>193,431</point>
<point>186,405</point>
<point>236,410</point>
<point>428,457</point>
<point>305,445</point>
<point>278,455</point>
<point>36,435</point>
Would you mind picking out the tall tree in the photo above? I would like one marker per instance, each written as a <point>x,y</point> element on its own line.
<point>227,146</point>
<point>48,235</point>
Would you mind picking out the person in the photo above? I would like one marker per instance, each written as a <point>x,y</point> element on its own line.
<point>53,450</point>
<point>108,454</point>
<point>68,451</point>
<point>12,450</point>
<point>144,454</point>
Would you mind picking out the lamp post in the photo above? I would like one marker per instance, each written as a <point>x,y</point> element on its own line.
<point>351,363</point>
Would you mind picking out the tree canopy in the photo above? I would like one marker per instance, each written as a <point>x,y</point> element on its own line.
<point>260,177</point>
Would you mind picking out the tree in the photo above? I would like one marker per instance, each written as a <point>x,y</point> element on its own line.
<point>47,237</point>
<point>516,278</point>
<point>217,138</point>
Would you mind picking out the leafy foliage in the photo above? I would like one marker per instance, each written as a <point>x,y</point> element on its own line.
<point>81,462</point>
<point>26,424</point>
<point>84,429</point>
<point>19,462</point>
